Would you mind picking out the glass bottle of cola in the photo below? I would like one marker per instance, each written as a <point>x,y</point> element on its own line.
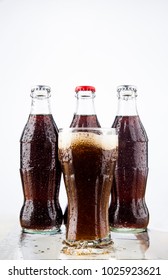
<point>39,167</point>
<point>128,211</point>
<point>85,114</point>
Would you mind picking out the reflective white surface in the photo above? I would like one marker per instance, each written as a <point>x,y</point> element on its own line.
<point>17,245</point>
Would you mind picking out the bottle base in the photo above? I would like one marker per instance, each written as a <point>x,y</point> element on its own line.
<point>88,247</point>
<point>127,230</point>
<point>42,231</point>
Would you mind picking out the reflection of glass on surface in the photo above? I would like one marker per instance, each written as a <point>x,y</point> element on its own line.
<point>104,252</point>
<point>36,246</point>
<point>130,246</point>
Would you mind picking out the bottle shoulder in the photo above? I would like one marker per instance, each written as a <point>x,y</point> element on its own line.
<point>85,121</point>
<point>130,128</point>
<point>40,128</point>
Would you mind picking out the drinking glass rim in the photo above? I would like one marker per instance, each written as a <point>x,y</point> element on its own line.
<point>88,129</point>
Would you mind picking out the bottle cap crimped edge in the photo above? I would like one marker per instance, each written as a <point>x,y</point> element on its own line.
<point>85,88</point>
<point>126,88</point>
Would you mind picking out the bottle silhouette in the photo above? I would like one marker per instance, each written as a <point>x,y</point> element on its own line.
<point>128,210</point>
<point>39,167</point>
<point>85,115</point>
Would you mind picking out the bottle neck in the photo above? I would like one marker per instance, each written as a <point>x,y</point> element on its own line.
<point>40,106</point>
<point>127,105</point>
<point>85,103</point>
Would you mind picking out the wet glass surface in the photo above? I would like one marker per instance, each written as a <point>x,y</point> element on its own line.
<point>148,245</point>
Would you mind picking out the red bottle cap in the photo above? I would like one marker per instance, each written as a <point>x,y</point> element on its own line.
<point>85,88</point>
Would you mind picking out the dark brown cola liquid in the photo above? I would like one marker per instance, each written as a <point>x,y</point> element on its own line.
<point>128,208</point>
<point>82,121</point>
<point>40,173</point>
<point>85,121</point>
<point>88,172</point>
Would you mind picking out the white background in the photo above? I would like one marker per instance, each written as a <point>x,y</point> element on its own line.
<point>65,43</point>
